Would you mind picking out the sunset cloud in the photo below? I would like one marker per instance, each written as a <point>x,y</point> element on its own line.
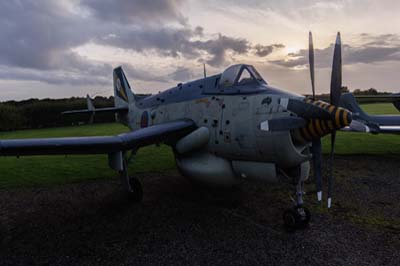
<point>162,42</point>
<point>375,49</point>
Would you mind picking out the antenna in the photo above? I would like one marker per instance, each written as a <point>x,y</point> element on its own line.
<point>204,70</point>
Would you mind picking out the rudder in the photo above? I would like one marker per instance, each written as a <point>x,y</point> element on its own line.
<point>123,95</point>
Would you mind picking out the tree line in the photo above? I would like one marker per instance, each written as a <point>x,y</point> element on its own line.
<point>356,92</point>
<point>35,113</point>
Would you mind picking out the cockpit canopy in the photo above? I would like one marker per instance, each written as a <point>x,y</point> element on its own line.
<point>238,75</point>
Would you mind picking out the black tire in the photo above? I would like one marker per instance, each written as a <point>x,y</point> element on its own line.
<point>137,194</point>
<point>305,220</point>
<point>291,219</point>
<point>296,218</point>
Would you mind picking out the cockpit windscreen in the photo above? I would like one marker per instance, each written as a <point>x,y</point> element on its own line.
<point>240,75</point>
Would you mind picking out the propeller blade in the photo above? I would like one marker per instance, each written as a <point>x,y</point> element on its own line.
<point>283,124</point>
<point>336,86</point>
<point>336,78</point>
<point>311,62</point>
<point>316,143</point>
<point>317,163</point>
<point>304,109</point>
<point>330,177</point>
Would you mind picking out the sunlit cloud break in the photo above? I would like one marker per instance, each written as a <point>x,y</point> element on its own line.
<point>161,43</point>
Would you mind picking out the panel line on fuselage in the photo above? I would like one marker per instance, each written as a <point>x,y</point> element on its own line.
<point>202,88</point>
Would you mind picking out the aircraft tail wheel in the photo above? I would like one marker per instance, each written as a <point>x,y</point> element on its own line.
<point>136,195</point>
<point>296,218</point>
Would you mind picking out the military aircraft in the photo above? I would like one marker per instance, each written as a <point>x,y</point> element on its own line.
<point>375,124</point>
<point>223,129</point>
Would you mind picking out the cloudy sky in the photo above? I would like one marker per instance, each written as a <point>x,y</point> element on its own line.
<point>66,48</point>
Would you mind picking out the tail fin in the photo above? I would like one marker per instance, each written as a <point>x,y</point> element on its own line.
<point>90,107</point>
<point>349,102</point>
<point>89,103</point>
<point>123,94</point>
<point>397,103</point>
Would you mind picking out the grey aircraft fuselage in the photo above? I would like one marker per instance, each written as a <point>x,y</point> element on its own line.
<point>232,145</point>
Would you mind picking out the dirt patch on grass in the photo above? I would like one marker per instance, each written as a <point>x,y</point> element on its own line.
<point>94,224</point>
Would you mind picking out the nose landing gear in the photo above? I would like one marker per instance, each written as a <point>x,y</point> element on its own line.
<point>299,216</point>
<point>296,218</point>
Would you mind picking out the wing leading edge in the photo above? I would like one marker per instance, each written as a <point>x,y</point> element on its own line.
<point>96,145</point>
<point>122,109</point>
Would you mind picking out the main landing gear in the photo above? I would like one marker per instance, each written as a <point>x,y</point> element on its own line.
<point>131,185</point>
<point>135,193</point>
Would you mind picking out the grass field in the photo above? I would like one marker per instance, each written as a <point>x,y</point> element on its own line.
<point>52,170</point>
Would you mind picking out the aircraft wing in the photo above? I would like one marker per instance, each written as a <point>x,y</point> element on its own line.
<point>380,98</point>
<point>389,129</point>
<point>91,109</point>
<point>362,126</point>
<point>96,145</point>
<point>97,110</point>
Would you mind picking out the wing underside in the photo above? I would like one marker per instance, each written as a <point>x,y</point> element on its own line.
<point>390,129</point>
<point>165,132</point>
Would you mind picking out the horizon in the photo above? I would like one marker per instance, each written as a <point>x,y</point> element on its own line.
<point>323,94</point>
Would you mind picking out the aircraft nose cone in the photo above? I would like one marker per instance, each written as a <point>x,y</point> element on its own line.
<point>348,118</point>
<point>342,118</point>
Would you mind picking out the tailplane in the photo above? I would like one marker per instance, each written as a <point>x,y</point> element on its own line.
<point>123,97</point>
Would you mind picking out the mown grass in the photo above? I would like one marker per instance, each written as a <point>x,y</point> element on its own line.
<point>380,108</point>
<point>53,170</point>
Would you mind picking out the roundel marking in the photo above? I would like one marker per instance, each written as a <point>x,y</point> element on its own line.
<point>144,120</point>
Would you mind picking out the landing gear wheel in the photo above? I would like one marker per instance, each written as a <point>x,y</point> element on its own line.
<point>305,215</point>
<point>296,218</point>
<point>137,194</point>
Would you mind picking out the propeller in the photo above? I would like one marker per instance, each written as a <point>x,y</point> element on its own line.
<point>316,119</point>
<point>335,93</point>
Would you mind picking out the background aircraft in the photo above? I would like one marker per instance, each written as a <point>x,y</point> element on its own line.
<point>370,123</point>
<point>223,129</point>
